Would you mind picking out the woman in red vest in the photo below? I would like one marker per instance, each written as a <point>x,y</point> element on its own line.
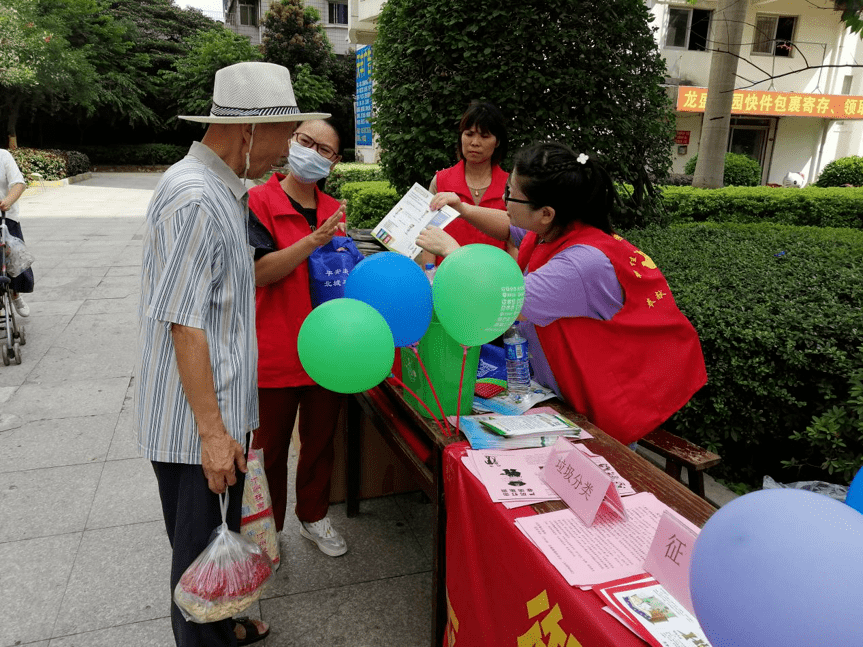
<point>602,326</point>
<point>289,219</point>
<point>477,179</point>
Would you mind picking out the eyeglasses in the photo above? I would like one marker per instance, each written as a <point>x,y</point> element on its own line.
<point>323,149</point>
<point>507,199</point>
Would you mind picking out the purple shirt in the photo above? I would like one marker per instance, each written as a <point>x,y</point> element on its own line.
<point>576,282</point>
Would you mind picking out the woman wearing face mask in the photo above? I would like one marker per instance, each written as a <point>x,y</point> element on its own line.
<point>290,218</point>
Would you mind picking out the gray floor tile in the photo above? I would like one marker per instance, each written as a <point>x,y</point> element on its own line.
<point>127,494</point>
<point>126,304</point>
<point>54,443</point>
<point>125,441</point>
<point>74,399</point>
<point>149,633</point>
<point>117,287</point>
<point>392,611</point>
<point>48,501</point>
<point>380,545</point>
<point>121,576</point>
<point>33,579</point>
<point>418,513</point>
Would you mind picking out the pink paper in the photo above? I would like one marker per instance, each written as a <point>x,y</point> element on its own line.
<point>669,556</point>
<point>582,485</point>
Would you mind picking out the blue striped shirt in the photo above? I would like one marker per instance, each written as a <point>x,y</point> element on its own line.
<point>197,271</point>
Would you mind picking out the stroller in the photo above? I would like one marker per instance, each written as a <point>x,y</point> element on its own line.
<point>11,336</point>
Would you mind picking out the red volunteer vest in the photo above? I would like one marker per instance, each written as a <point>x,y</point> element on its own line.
<point>452,179</point>
<point>282,307</point>
<point>629,374</point>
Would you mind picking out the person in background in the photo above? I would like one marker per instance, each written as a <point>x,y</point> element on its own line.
<point>602,326</point>
<point>12,187</point>
<point>289,219</point>
<point>195,398</point>
<point>477,178</point>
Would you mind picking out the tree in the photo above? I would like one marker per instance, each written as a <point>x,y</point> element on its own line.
<point>190,81</point>
<point>585,73</point>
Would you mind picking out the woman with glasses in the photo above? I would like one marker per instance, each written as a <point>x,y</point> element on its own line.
<point>477,178</point>
<point>602,326</point>
<point>290,218</point>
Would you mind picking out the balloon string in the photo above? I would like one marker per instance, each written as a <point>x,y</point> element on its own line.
<point>408,389</point>
<point>431,386</point>
<point>460,385</point>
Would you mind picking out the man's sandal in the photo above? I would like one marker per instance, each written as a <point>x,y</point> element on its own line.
<point>252,634</point>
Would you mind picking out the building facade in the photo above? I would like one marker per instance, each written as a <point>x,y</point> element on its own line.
<point>789,113</point>
<point>246,17</point>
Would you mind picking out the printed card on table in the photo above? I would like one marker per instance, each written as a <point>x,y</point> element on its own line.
<point>669,556</point>
<point>582,485</point>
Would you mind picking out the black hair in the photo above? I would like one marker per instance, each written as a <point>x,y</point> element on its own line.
<point>551,175</point>
<point>486,117</point>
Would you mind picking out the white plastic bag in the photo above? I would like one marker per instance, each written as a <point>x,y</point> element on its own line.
<point>832,490</point>
<point>18,259</point>
<point>226,578</point>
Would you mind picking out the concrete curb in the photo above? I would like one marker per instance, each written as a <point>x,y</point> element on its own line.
<point>38,187</point>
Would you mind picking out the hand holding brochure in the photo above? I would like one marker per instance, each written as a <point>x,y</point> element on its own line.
<point>537,424</point>
<point>399,229</point>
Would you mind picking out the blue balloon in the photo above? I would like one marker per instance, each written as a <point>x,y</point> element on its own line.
<point>780,567</point>
<point>395,286</point>
<point>854,498</point>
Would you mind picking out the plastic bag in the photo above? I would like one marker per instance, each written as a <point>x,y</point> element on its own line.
<point>838,492</point>
<point>226,578</point>
<point>18,259</point>
<point>258,523</point>
<point>329,266</point>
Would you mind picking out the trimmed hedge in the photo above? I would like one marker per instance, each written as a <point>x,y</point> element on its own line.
<point>351,172</point>
<point>811,206</point>
<point>779,311</point>
<point>740,170</point>
<point>842,172</point>
<point>136,154</point>
<point>368,202</point>
<point>52,164</point>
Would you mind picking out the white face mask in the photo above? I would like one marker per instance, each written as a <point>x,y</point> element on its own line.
<point>306,164</point>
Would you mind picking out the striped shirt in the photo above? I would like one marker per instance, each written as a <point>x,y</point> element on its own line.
<point>197,271</point>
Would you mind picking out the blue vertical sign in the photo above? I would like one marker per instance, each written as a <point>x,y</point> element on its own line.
<point>364,96</point>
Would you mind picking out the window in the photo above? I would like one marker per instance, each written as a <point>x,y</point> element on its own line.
<point>774,35</point>
<point>338,13</point>
<point>688,28</point>
<point>248,12</point>
<point>846,84</point>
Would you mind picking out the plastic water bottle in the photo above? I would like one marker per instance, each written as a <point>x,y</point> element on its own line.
<point>517,366</point>
<point>430,269</point>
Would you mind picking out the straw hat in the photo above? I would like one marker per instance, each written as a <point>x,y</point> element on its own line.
<point>254,93</point>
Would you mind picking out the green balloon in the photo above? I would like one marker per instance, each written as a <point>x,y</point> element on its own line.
<point>346,346</point>
<point>478,291</point>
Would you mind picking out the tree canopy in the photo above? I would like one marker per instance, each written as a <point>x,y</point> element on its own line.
<point>585,73</point>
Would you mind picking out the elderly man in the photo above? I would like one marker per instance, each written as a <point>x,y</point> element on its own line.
<point>196,397</point>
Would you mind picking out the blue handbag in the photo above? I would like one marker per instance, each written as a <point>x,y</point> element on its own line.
<point>329,266</point>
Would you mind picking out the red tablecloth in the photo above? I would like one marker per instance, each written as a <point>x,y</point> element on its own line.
<point>501,589</point>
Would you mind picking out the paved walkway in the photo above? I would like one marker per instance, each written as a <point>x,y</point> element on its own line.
<point>83,552</point>
<point>84,559</point>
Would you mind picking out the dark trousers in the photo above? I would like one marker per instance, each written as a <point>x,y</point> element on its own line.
<point>319,413</point>
<point>191,514</point>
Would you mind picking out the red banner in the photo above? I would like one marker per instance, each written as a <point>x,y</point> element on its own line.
<point>501,590</point>
<point>777,104</point>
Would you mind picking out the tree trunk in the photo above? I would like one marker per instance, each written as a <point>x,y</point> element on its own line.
<point>14,106</point>
<point>729,18</point>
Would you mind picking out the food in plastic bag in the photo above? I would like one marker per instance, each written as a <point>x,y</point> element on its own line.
<point>225,579</point>
<point>258,523</point>
<point>832,490</point>
<point>18,259</point>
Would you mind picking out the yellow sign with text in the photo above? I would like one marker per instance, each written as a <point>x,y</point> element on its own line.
<point>777,104</point>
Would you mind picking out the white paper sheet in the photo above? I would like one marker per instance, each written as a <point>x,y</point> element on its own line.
<point>512,475</point>
<point>399,229</point>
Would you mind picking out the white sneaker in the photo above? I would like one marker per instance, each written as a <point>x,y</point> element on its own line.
<point>21,306</point>
<point>325,536</point>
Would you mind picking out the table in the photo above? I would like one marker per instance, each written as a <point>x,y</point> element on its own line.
<point>422,447</point>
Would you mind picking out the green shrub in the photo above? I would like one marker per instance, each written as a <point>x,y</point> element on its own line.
<point>808,207</point>
<point>740,170</point>
<point>778,311</point>
<point>368,202</point>
<point>136,154</point>
<point>845,170</point>
<point>49,164</point>
<point>77,163</point>
<point>349,155</point>
<point>351,172</point>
